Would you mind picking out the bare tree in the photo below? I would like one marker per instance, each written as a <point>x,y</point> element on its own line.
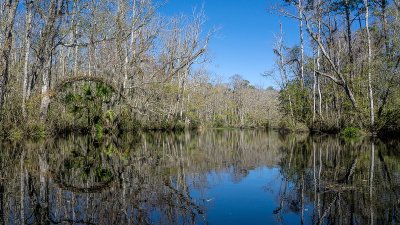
<point>28,30</point>
<point>339,79</point>
<point>370,94</point>
<point>278,50</point>
<point>45,50</point>
<point>10,11</point>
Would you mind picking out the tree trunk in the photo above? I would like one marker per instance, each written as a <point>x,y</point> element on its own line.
<point>29,6</point>
<point>285,77</point>
<point>371,180</point>
<point>75,39</point>
<point>7,27</point>
<point>314,88</point>
<point>130,47</point>
<point>385,26</point>
<point>182,92</point>
<point>318,65</point>
<point>371,98</point>
<point>301,43</point>
<point>349,36</point>
<point>45,88</point>
<point>47,45</point>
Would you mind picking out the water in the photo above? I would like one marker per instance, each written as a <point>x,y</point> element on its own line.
<point>210,177</point>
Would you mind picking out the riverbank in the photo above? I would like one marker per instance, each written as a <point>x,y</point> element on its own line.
<point>119,126</point>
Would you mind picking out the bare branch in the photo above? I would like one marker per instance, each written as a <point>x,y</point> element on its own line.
<point>334,79</point>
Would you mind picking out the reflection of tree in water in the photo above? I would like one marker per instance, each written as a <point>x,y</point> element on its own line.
<point>81,168</point>
<point>328,181</point>
<point>148,180</point>
<point>71,181</point>
<point>239,174</point>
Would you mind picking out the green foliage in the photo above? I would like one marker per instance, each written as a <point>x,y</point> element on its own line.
<point>179,126</point>
<point>103,91</point>
<point>389,122</point>
<point>162,125</point>
<point>325,126</point>
<point>15,134</point>
<point>294,100</point>
<point>99,131</point>
<point>288,125</point>
<point>166,125</point>
<point>350,133</point>
<point>103,175</point>
<point>86,166</point>
<point>128,121</point>
<point>218,121</point>
<point>194,121</point>
<point>110,115</point>
<point>89,103</point>
<point>36,131</point>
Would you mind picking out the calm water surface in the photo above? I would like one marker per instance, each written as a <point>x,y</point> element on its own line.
<point>211,177</point>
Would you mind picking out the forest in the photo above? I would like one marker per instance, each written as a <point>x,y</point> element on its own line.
<point>115,66</point>
<point>110,114</point>
<point>345,72</point>
<point>120,66</point>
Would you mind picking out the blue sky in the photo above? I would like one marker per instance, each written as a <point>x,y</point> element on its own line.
<point>244,43</point>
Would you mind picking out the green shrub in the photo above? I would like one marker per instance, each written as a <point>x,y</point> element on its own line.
<point>284,124</point>
<point>179,126</point>
<point>287,125</point>
<point>194,121</point>
<point>219,121</point>
<point>35,130</point>
<point>166,125</point>
<point>129,123</point>
<point>350,132</point>
<point>194,124</point>
<point>103,175</point>
<point>15,134</point>
<point>135,125</point>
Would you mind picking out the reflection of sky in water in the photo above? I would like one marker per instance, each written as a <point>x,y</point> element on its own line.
<point>249,201</point>
<point>224,177</point>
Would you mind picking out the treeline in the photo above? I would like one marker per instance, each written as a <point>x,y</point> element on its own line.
<point>111,66</point>
<point>345,73</point>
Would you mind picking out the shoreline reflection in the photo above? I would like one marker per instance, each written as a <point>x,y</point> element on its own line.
<point>216,177</point>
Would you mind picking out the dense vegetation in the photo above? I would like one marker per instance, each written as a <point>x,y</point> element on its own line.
<point>118,66</point>
<point>114,66</point>
<point>345,73</point>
